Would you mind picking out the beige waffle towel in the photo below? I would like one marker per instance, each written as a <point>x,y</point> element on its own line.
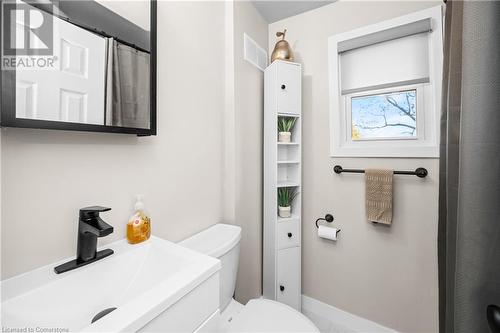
<point>378,200</point>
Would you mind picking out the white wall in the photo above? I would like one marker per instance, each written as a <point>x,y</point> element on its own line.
<point>46,176</point>
<point>248,120</point>
<point>137,12</point>
<point>385,274</point>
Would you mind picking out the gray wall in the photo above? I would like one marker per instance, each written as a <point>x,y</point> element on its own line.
<point>46,176</point>
<point>249,101</point>
<point>387,275</point>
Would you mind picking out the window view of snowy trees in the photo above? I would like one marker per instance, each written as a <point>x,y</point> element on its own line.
<point>384,116</point>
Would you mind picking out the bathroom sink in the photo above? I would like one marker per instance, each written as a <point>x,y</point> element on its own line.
<point>141,281</point>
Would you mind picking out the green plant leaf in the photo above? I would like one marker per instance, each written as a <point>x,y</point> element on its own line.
<point>286,195</point>
<point>286,124</point>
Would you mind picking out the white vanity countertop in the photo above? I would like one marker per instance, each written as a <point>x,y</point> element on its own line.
<point>141,281</point>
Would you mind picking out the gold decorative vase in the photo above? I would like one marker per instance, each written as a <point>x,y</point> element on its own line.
<point>282,50</point>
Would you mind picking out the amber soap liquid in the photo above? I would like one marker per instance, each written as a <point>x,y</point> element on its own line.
<point>138,228</point>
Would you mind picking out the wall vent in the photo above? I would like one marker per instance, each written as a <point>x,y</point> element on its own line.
<point>253,53</point>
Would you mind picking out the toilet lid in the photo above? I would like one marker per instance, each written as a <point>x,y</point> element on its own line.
<point>269,316</point>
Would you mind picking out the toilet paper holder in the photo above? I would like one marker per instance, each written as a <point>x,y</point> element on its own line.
<point>328,218</point>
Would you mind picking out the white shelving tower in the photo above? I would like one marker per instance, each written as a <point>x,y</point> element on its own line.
<point>282,168</point>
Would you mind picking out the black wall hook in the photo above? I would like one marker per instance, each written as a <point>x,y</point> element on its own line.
<point>328,218</point>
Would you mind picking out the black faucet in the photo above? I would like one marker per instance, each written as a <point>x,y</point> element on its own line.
<point>90,226</point>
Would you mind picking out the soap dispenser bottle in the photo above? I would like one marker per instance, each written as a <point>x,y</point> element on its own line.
<point>139,224</point>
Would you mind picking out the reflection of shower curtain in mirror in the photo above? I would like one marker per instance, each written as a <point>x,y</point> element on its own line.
<point>127,86</point>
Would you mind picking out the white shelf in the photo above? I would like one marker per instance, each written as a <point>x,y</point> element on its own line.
<point>289,115</point>
<point>282,169</point>
<point>288,143</point>
<point>288,162</point>
<point>286,219</point>
<point>288,184</point>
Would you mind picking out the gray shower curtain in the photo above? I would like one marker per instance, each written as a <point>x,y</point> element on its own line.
<point>469,217</point>
<point>127,86</point>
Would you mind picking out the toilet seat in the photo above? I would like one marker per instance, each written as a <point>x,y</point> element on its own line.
<point>261,315</point>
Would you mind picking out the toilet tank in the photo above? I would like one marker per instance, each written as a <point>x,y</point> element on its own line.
<point>221,241</point>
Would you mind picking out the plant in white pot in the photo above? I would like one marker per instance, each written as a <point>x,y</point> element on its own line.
<point>285,199</point>
<point>285,126</point>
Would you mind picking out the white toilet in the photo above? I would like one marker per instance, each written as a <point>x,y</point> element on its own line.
<point>259,315</point>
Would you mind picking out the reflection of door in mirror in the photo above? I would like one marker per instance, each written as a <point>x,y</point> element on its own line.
<point>72,91</point>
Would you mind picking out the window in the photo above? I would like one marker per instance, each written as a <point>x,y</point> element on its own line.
<point>384,116</point>
<point>385,86</point>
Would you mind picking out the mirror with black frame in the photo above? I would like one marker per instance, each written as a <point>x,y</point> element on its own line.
<point>84,65</point>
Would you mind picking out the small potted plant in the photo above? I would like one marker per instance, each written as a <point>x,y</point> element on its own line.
<point>285,199</point>
<point>285,126</point>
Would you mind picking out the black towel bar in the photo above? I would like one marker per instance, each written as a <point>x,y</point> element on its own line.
<point>419,172</point>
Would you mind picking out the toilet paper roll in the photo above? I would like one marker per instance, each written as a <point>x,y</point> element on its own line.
<point>327,232</point>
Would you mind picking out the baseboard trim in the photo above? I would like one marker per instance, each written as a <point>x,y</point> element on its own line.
<point>341,317</point>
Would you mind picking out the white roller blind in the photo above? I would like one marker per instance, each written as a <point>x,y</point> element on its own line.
<point>392,63</point>
<point>404,30</point>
